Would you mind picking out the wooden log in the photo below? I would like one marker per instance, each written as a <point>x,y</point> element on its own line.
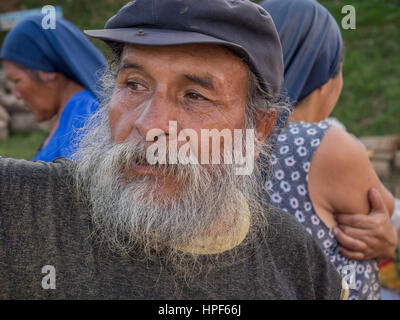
<point>383,155</point>
<point>397,159</point>
<point>23,122</point>
<point>3,130</point>
<point>5,84</point>
<point>26,122</point>
<point>4,116</point>
<point>11,103</point>
<point>382,168</point>
<point>381,143</point>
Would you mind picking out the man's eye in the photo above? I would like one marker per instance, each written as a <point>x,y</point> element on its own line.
<point>135,86</point>
<point>195,96</point>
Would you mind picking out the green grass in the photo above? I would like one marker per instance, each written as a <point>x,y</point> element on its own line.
<point>370,101</point>
<point>22,145</point>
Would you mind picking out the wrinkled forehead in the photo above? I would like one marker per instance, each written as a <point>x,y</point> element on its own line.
<point>211,58</point>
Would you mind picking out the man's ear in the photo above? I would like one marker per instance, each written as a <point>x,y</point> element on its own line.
<point>265,122</point>
<point>47,76</point>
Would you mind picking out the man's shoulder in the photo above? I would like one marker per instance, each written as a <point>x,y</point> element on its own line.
<point>297,255</point>
<point>27,165</point>
<point>285,238</point>
<point>283,227</point>
<point>14,171</point>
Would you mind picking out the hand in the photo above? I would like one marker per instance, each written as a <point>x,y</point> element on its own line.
<point>369,236</point>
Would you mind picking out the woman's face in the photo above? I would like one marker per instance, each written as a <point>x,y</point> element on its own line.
<point>39,96</point>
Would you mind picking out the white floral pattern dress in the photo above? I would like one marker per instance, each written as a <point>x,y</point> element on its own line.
<point>287,188</point>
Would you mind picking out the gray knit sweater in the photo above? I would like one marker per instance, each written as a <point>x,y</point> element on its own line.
<point>43,223</point>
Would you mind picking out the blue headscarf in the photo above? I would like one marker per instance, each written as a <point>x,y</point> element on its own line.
<point>311,43</point>
<point>64,49</point>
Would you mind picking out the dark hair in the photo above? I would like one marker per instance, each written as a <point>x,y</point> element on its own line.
<point>340,63</point>
<point>34,75</point>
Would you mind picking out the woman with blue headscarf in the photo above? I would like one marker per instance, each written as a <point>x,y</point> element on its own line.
<point>321,171</point>
<point>55,72</point>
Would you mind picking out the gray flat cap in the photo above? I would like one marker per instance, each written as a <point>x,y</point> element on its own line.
<point>242,26</point>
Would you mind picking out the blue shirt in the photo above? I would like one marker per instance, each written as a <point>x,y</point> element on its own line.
<point>63,142</point>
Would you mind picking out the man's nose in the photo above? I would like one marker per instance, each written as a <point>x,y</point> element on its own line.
<point>156,114</point>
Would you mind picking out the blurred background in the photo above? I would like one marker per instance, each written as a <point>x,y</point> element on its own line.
<point>369,105</point>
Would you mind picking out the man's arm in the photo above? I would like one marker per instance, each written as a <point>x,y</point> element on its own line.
<point>29,207</point>
<point>340,178</point>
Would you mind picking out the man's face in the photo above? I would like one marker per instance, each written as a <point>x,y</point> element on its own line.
<point>198,86</point>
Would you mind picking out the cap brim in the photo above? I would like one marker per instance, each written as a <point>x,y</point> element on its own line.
<point>160,37</point>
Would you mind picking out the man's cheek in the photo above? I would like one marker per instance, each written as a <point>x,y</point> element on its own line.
<point>120,120</point>
<point>115,116</point>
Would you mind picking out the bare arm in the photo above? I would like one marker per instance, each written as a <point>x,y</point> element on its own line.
<point>340,178</point>
<point>367,236</point>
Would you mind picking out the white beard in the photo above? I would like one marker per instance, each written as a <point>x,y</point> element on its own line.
<point>131,212</point>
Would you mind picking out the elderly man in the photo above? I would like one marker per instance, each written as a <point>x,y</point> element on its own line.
<point>115,224</point>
